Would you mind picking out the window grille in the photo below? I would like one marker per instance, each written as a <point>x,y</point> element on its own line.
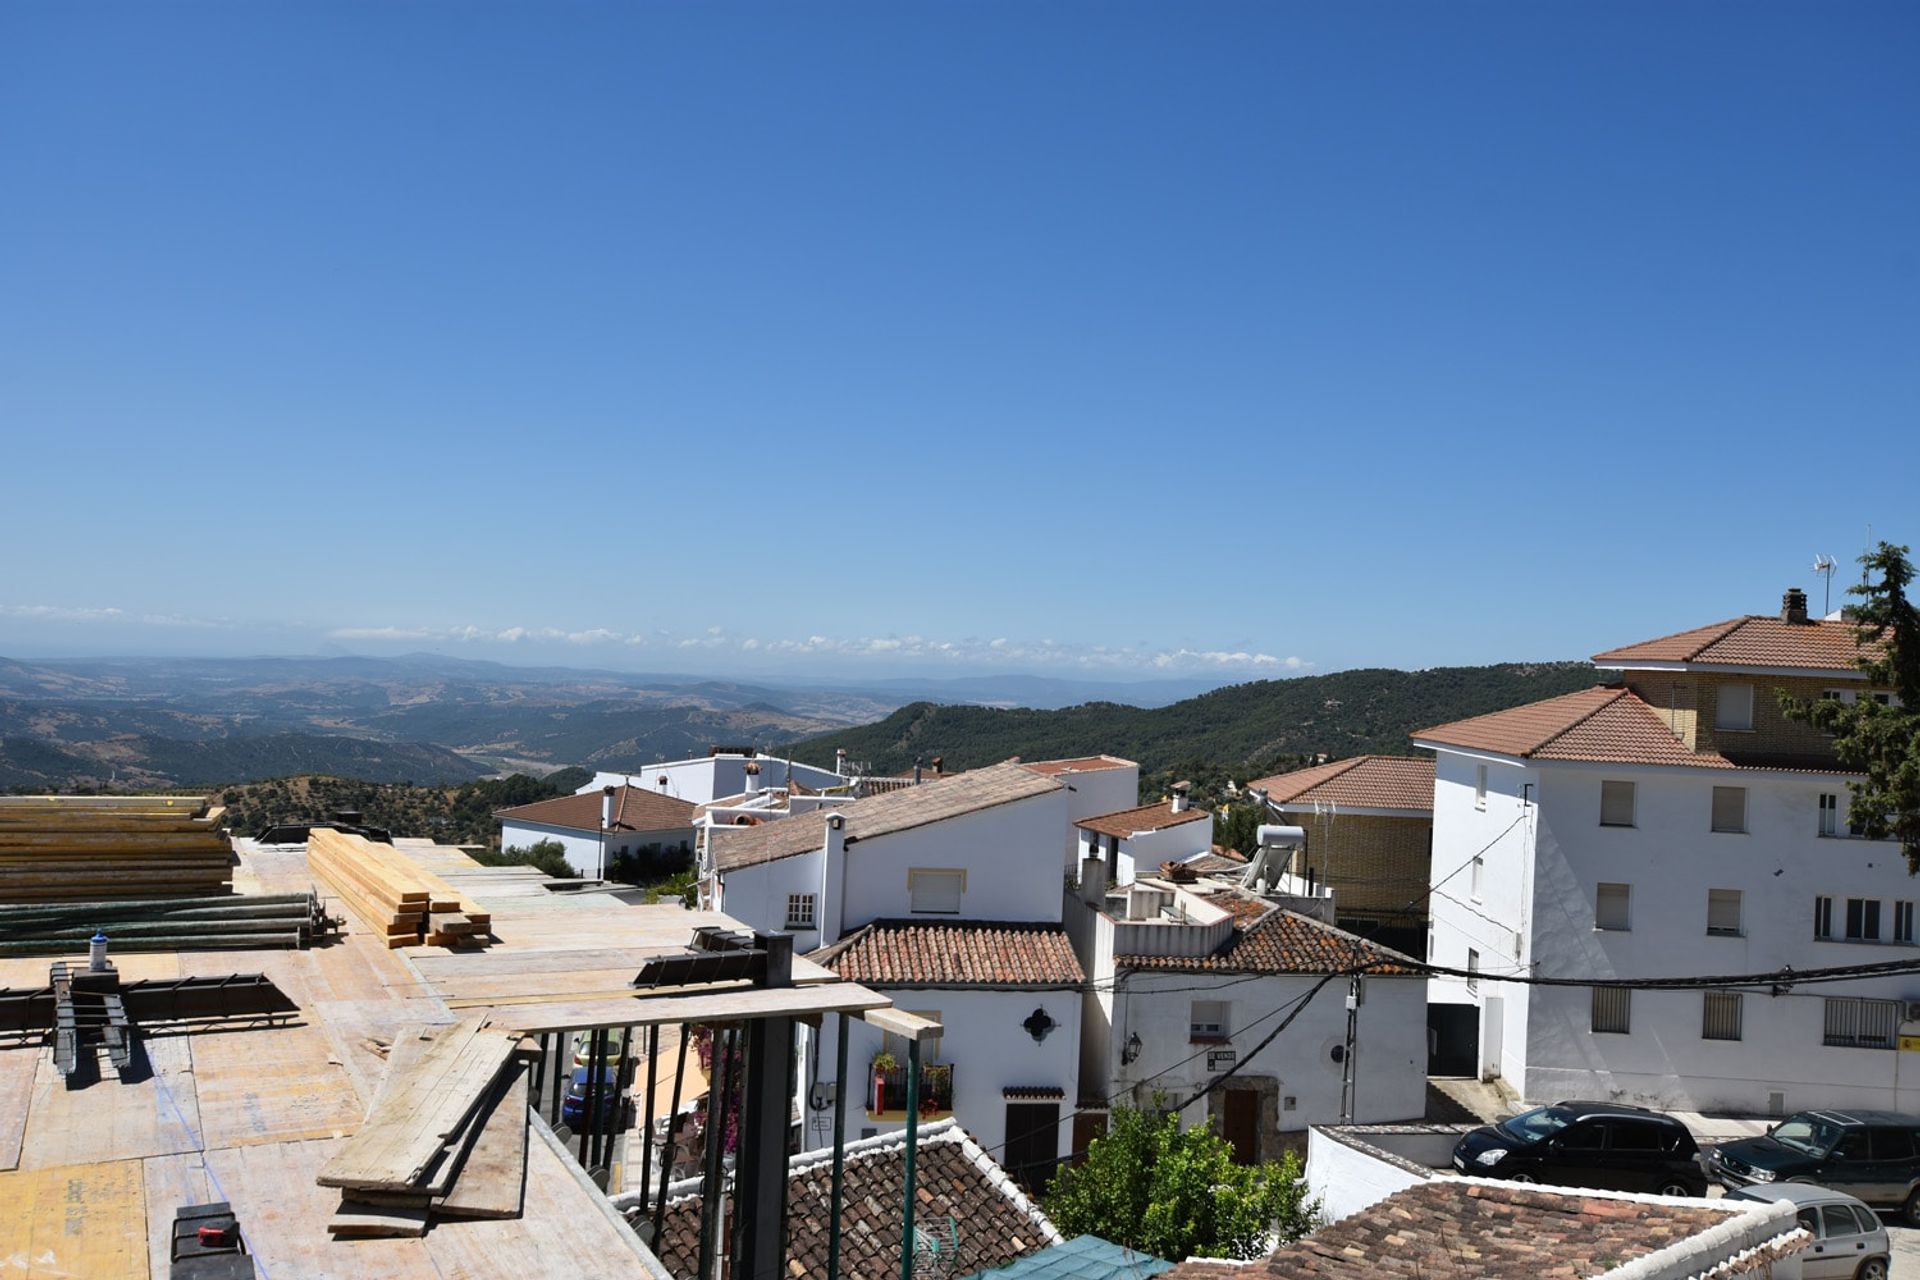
<point>1613,1010</point>
<point>1720,1015</point>
<point>1856,1023</point>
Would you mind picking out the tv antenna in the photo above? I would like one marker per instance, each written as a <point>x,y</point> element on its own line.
<point>1824,566</point>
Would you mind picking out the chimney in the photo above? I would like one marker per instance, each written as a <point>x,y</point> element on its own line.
<point>606,808</point>
<point>1093,881</point>
<point>1180,790</point>
<point>939,765</point>
<point>1793,605</point>
<point>840,761</point>
<point>916,771</point>
<point>750,781</point>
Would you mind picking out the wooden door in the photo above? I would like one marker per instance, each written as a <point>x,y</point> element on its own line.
<point>1033,1142</point>
<point>1240,1124</point>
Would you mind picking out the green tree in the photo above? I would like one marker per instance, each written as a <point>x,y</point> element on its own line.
<point>1176,1193</point>
<point>549,856</point>
<point>1880,741</point>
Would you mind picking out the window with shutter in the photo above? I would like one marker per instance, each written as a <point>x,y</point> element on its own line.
<point>1612,1010</point>
<point>1616,804</point>
<point>1723,912</point>
<point>1730,809</point>
<point>1733,707</point>
<point>1610,906</point>
<point>1720,1015</point>
<point>936,892</point>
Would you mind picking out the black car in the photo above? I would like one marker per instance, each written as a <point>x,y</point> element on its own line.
<point>1587,1144</point>
<point>1871,1155</point>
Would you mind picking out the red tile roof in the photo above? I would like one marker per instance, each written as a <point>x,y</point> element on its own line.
<point>1081,764</point>
<point>1752,641</point>
<point>1381,782</point>
<point>954,1181</point>
<point>1270,939</point>
<point>634,809</point>
<point>916,953</point>
<point>1462,1229</point>
<point>1147,817</point>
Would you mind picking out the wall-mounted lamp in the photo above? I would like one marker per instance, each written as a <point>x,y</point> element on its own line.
<point>1130,1050</point>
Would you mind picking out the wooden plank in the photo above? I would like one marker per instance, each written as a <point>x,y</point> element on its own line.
<point>17,1069</point>
<point>72,1221</point>
<point>271,1085</point>
<point>405,1133</point>
<point>358,1220</point>
<point>192,805</point>
<point>113,1120</point>
<point>720,1006</point>
<point>491,1182</point>
<point>898,1022</point>
<point>284,1216</point>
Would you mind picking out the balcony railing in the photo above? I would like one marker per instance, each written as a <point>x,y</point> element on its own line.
<point>887,1090</point>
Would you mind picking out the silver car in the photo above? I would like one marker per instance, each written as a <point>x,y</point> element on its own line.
<point>1849,1240</point>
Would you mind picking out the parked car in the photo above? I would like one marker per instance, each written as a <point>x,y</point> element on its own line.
<point>1848,1239</point>
<point>573,1107</point>
<point>583,1046</point>
<point>1587,1144</point>
<point>1872,1155</point>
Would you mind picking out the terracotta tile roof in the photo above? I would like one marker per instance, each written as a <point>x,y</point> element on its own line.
<point>1467,1229</point>
<point>634,809</point>
<point>1269,939</point>
<point>1217,863</point>
<point>1381,782</point>
<point>1147,817</point>
<point>880,815</point>
<point>1756,640</point>
<point>1080,764</point>
<point>954,1180</point>
<point>956,953</point>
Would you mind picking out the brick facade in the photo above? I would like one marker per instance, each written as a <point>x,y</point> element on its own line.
<point>1689,701</point>
<point>1374,865</point>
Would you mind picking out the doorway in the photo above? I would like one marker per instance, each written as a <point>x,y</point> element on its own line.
<point>1240,1124</point>
<point>1033,1142</point>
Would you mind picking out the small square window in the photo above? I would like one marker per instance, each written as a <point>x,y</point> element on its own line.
<point>1733,707</point>
<point>1610,903</point>
<point>1612,1010</point>
<point>1209,1020</point>
<point>1723,913</point>
<point>1616,804</point>
<point>1730,809</point>
<point>800,911</point>
<point>936,892</point>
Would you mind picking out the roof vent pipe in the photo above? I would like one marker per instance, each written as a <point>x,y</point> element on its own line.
<point>1793,605</point>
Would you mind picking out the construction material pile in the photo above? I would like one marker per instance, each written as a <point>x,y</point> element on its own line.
<point>95,848</point>
<point>394,895</point>
<point>446,1137</point>
<point>164,924</point>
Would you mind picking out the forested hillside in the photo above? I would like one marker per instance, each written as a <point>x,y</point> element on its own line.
<point>1238,731</point>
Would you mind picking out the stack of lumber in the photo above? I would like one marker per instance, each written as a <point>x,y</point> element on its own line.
<point>394,895</point>
<point>163,924</point>
<point>445,1138</point>
<point>97,848</point>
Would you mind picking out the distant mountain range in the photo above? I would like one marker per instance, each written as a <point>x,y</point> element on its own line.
<point>1242,729</point>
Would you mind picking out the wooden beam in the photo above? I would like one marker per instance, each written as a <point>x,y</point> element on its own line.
<point>719,1006</point>
<point>898,1022</point>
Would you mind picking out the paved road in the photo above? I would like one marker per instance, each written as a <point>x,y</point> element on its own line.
<point>1906,1250</point>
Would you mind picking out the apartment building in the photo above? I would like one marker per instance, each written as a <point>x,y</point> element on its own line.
<point>1672,823</point>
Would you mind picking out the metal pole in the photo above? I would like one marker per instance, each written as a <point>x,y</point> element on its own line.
<point>839,1148</point>
<point>562,1059</point>
<point>913,1138</point>
<point>646,1115</point>
<point>673,1133</point>
<point>760,1179</point>
<point>539,1072</point>
<point>712,1188</point>
<point>590,1098</point>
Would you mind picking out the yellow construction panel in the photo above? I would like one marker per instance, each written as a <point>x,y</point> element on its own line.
<point>77,1222</point>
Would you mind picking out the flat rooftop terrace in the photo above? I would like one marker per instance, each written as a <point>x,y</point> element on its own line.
<point>90,1177</point>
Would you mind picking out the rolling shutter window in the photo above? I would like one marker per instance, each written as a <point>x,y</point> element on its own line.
<point>936,891</point>
<point>1610,906</point>
<point>1730,809</point>
<point>1733,707</point>
<point>1723,912</point>
<point>1720,1016</point>
<point>1613,1010</point>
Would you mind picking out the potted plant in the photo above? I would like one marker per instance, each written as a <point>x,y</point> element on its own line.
<point>883,1062</point>
<point>936,1089</point>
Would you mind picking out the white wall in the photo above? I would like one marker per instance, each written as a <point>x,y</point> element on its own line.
<point>1143,854</point>
<point>1495,920</point>
<point>1671,858</point>
<point>988,1048</point>
<point>1007,852</point>
<point>1346,1179</point>
<point>1096,792</point>
<point>707,778</point>
<point>756,895</point>
<point>1392,1039</point>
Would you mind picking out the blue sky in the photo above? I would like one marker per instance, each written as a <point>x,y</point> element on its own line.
<point>1140,339</point>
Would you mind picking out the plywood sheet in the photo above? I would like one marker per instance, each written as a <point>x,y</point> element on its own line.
<point>74,1221</point>
<point>285,1215</point>
<point>109,1120</point>
<point>271,1085</point>
<point>170,1182</point>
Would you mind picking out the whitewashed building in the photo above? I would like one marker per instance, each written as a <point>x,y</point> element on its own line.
<point>724,771</point>
<point>599,826</point>
<point>1187,978</point>
<point>1095,785</point>
<point>1140,838</point>
<point>1673,824</point>
<point>948,895</point>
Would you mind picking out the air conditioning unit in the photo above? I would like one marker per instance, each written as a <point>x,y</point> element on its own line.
<point>1910,1010</point>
